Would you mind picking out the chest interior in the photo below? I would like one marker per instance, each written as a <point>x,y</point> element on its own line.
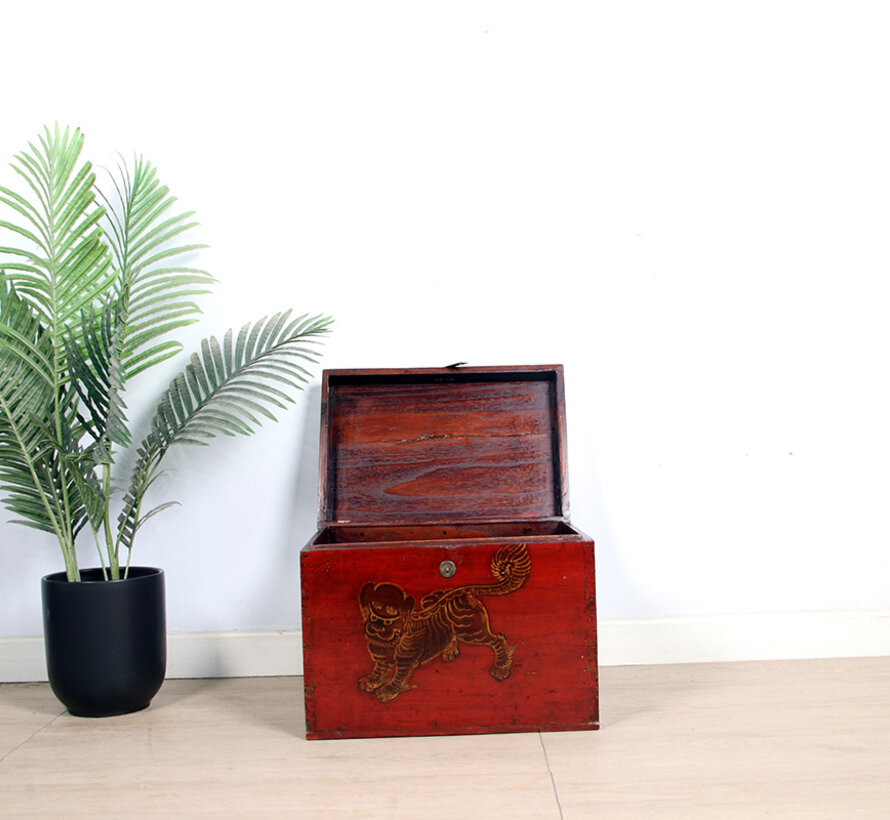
<point>439,454</point>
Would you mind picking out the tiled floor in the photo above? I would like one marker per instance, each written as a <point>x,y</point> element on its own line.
<point>807,739</point>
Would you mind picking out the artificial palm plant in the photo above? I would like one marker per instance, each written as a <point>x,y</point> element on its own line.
<point>91,287</point>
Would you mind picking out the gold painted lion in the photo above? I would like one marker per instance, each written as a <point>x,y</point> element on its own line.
<point>402,638</point>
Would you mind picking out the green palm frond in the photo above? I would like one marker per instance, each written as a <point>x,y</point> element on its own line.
<point>27,399</point>
<point>98,378</point>
<point>45,476</point>
<point>156,294</point>
<point>224,391</point>
<point>64,266</point>
<point>150,299</point>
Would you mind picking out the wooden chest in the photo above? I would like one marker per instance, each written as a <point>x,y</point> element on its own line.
<point>445,591</point>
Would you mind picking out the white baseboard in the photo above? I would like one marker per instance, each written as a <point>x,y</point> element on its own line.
<point>699,639</point>
<point>745,637</point>
<point>189,655</point>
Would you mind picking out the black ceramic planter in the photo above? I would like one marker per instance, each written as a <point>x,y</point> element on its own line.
<point>106,641</point>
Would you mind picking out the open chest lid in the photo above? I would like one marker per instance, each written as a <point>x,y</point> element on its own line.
<point>442,444</point>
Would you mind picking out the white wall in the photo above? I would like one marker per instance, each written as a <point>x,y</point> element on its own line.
<point>686,204</point>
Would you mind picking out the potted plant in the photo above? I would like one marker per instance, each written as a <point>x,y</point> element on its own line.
<point>92,284</point>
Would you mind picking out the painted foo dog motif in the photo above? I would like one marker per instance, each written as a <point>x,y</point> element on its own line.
<point>401,637</point>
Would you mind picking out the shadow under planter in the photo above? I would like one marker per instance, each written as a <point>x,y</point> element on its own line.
<point>106,641</point>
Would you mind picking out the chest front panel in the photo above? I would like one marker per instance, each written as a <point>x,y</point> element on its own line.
<point>506,642</point>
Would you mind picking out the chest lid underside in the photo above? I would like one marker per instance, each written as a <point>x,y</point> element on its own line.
<point>443,444</point>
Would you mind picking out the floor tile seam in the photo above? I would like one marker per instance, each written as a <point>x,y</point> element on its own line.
<point>31,737</point>
<point>550,774</point>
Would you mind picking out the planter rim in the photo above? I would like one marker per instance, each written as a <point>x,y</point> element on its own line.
<point>135,574</point>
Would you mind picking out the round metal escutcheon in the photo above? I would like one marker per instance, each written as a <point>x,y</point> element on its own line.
<point>447,569</point>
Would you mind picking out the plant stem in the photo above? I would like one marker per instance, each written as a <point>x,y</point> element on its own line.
<point>101,558</point>
<point>109,538</point>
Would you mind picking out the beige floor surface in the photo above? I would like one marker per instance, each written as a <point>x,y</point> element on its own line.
<point>804,739</point>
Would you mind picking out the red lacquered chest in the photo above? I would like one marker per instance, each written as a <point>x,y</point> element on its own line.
<point>446,591</point>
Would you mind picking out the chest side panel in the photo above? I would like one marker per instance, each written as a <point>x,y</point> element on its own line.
<point>391,647</point>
